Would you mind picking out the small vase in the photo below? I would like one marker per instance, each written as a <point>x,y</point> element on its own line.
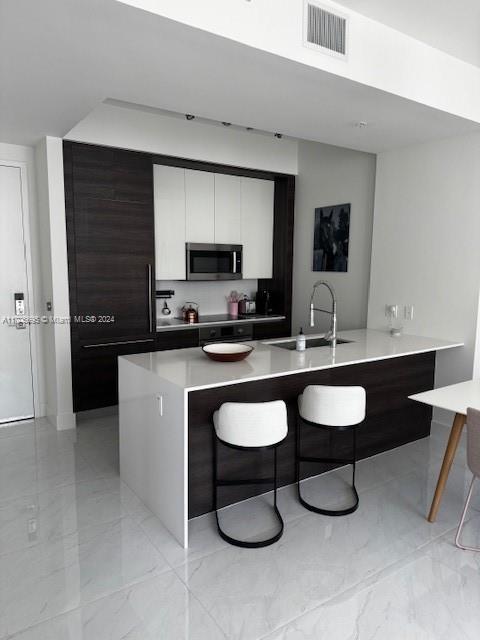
<point>233,309</point>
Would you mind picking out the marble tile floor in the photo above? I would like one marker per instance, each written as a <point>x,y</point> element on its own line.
<point>81,558</point>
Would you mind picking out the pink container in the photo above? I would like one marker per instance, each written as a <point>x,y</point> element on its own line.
<point>233,309</point>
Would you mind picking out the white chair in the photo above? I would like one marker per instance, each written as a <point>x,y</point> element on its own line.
<point>473,460</point>
<point>249,426</point>
<point>333,409</point>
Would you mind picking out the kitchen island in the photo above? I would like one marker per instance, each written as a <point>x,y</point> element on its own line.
<point>166,402</point>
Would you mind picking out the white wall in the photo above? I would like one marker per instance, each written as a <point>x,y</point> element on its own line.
<point>153,132</point>
<point>25,156</point>
<point>425,245</point>
<point>327,176</point>
<point>378,55</point>
<point>51,210</point>
<point>210,296</point>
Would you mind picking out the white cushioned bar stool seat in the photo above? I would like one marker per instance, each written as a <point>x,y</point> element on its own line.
<point>248,426</point>
<point>473,460</point>
<point>333,406</point>
<point>333,409</point>
<point>251,424</point>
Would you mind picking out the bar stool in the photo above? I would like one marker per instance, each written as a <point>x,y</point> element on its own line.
<point>473,460</point>
<point>249,426</point>
<point>333,409</point>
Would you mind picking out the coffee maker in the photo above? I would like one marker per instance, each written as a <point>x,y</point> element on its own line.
<point>264,302</point>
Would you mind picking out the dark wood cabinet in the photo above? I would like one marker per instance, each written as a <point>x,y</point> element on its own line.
<point>180,339</point>
<point>280,285</point>
<point>111,248</point>
<point>114,268</point>
<point>267,330</point>
<point>95,368</point>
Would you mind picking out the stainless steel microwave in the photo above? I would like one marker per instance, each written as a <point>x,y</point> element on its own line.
<point>214,261</point>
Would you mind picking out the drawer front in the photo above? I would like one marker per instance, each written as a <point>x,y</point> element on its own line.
<point>95,371</point>
<point>181,339</point>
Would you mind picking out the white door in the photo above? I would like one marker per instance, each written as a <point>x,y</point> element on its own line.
<point>227,209</point>
<point>199,206</point>
<point>16,384</point>
<point>169,206</point>
<point>257,228</point>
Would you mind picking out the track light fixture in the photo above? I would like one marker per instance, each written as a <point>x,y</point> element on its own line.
<point>279,136</point>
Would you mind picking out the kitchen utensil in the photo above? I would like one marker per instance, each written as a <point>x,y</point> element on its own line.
<point>246,306</point>
<point>251,306</point>
<point>242,305</point>
<point>166,311</point>
<point>190,312</point>
<point>227,351</point>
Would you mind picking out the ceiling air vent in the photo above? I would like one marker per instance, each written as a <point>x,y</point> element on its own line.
<point>325,29</point>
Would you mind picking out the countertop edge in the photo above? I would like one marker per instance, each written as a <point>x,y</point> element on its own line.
<point>321,368</point>
<point>194,325</point>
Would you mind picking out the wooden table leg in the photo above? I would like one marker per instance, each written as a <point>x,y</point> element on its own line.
<point>455,433</point>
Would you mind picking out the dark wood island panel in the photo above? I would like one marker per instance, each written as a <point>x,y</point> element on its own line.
<point>392,420</point>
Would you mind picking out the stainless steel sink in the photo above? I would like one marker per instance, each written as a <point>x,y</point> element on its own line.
<point>291,343</point>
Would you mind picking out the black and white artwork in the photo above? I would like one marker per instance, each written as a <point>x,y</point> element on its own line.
<point>330,238</point>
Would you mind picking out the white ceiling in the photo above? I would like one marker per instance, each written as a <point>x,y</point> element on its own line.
<point>452,26</point>
<point>60,58</point>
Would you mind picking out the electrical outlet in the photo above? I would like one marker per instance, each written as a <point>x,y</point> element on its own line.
<point>391,311</point>
<point>408,312</point>
<point>32,527</point>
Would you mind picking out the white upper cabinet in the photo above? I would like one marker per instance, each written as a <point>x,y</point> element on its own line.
<point>227,209</point>
<point>200,206</point>
<point>257,227</point>
<point>169,204</point>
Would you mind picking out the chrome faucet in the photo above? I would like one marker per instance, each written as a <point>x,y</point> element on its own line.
<point>332,334</point>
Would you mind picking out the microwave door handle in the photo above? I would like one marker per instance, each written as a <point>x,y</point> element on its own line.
<point>234,255</point>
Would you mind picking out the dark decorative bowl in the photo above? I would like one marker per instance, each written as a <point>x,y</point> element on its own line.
<point>227,351</point>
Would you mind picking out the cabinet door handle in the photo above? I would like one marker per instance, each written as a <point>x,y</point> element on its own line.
<point>234,267</point>
<point>150,295</point>
<point>113,344</point>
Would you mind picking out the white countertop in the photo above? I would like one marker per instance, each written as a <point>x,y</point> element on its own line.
<point>454,397</point>
<point>167,323</point>
<point>191,370</point>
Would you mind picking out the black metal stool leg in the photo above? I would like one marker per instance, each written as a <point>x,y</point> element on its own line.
<point>244,543</point>
<point>214,449</point>
<point>352,461</point>
<point>275,477</point>
<point>297,452</point>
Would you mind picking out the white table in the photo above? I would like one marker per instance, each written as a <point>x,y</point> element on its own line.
<point>456,398</point>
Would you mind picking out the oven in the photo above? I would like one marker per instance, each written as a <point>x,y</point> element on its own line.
<point>226,333</point>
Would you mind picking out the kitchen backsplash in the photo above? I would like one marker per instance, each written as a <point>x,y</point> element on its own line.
<point>210,296</point>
